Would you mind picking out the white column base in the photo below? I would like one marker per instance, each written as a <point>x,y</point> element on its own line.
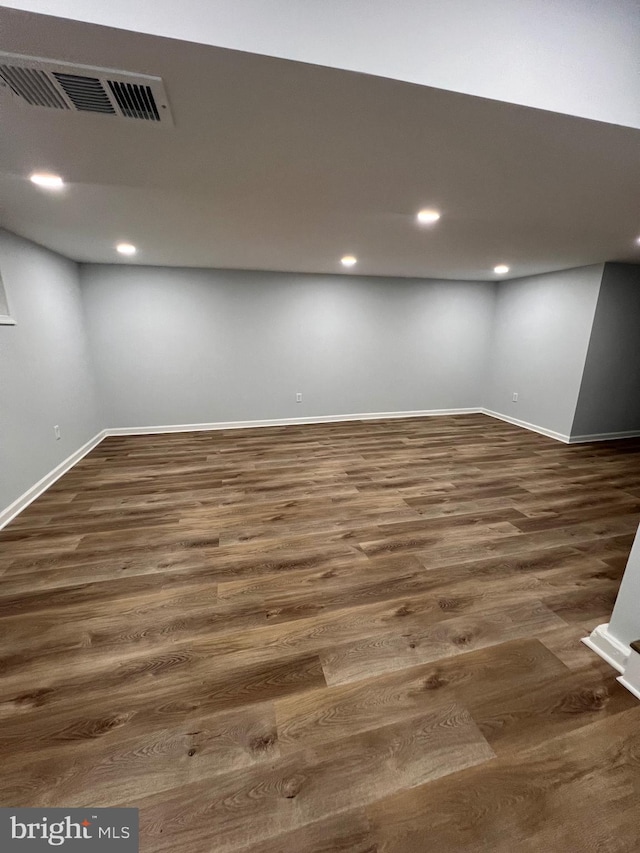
<point>619,656</point>
<point>631,676</point>
<point>608,647</point>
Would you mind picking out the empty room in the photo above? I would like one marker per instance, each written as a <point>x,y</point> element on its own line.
<point>320,426</point>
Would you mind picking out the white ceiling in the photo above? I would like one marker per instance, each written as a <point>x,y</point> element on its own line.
<point>275,164</point>
<point>577,57</point>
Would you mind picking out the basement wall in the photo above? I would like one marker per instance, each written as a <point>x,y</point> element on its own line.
<point>185,346</point>
<point>45,370</point>
<point>541,331</point>
<point>609,399</point>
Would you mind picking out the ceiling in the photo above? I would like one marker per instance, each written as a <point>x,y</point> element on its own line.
<point>280,165</point>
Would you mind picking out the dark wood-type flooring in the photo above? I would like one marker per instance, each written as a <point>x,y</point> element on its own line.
<point>346,637</point>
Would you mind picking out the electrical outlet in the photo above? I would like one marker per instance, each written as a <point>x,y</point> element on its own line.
<point>298,396</point>
<point>56,432</point>
<point>515,397</point>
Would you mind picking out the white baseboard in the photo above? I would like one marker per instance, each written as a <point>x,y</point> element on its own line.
<point>276,422</point>
<point>603,436</point>
<point>8,514</point>
<point>603,643</point>
<point>558,436</point>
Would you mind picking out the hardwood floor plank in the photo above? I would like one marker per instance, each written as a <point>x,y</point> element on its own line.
<point>168,690</point>
<point>583,605</point>
<point>544,710</point>
<point>319,716</point>
<point>347,832</point>
<point>550,797</point>
<point>110,766</point>
<point>413,643</point>
<point>311,785</point>
<point>566,644</point>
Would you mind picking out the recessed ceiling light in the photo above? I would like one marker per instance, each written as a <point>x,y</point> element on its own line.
<point>428,217</point>
<point>348,261</point>
<point>46,180</point>
<point>126,248</point>
<point>638,240</point>
<point>501,269</point>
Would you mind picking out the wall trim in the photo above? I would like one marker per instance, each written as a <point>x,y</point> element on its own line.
<point>603,436</point>
<point>10,512</point>
<point>558,436</point>
<point>603,643</point>
<point>276,422</point>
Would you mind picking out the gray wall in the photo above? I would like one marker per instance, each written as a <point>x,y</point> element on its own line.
<point>176,346</point>
<point>539,342</point>
<point>45,375</point>
<point>609,399</point>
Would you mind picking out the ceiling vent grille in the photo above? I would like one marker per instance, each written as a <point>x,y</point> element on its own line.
<point>33,85</point>
<point>135,101</point>
<point>79,88</point>
<point>85,93</point>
